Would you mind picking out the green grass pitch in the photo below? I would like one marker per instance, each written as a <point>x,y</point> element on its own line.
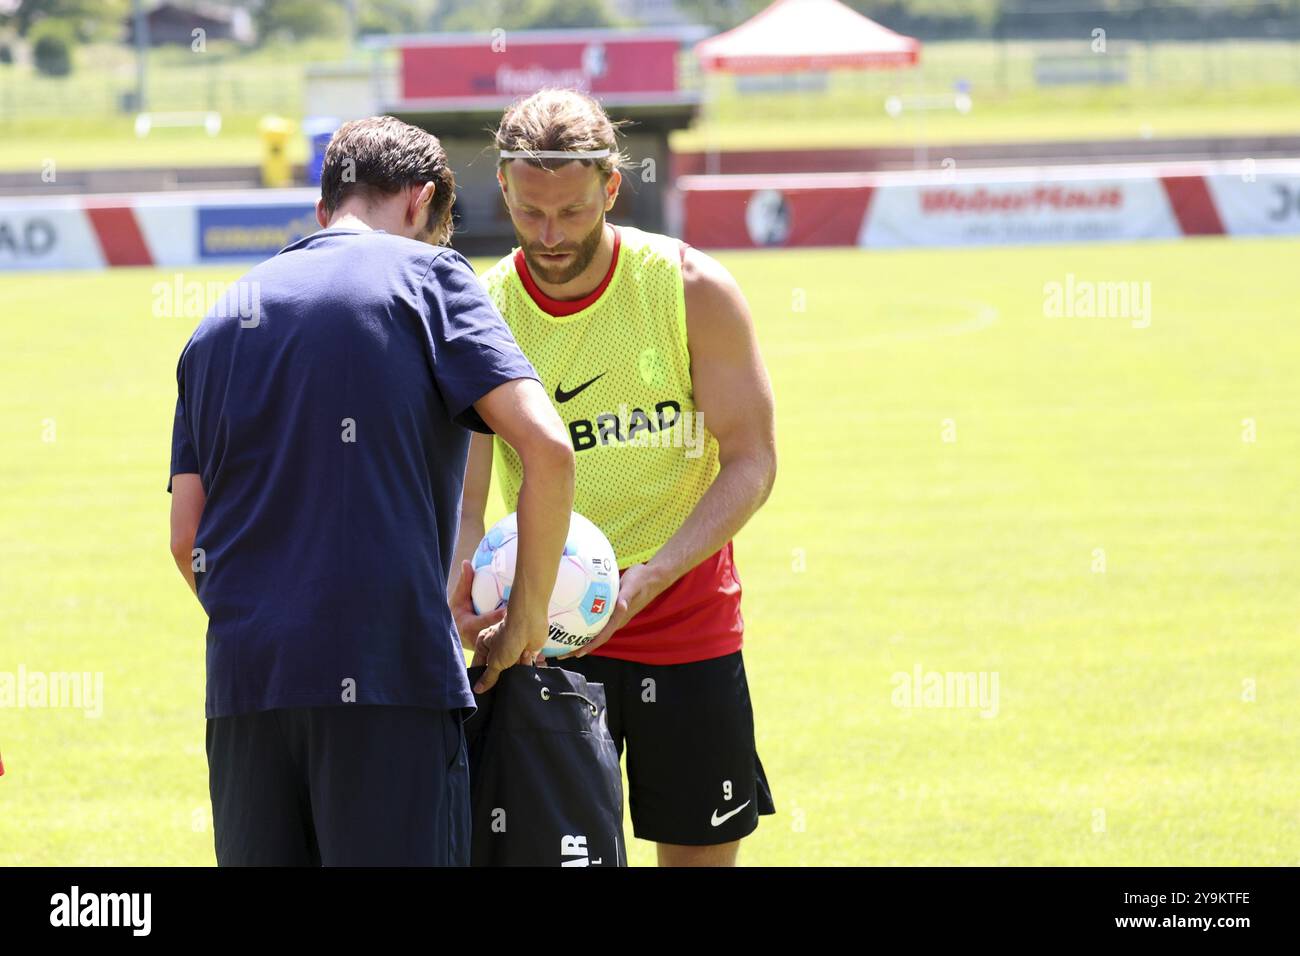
<point>1103,515</point>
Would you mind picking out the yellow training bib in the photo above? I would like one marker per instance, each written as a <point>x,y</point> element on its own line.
<point>618,372</point>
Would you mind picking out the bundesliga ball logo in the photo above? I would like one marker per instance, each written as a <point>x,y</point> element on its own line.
<point>585,585</point>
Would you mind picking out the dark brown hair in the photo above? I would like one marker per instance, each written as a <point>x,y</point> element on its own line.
<point>383,154</point>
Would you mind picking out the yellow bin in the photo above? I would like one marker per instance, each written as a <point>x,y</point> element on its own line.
<point>274,131</point>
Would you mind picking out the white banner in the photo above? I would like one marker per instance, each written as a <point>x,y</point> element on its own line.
<point>51,235</point>
<point>1030,210</point>
<point>1257,202</point>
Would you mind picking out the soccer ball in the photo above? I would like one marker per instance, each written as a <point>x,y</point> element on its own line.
<point>585,586</point>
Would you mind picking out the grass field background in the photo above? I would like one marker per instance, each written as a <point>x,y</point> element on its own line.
<point>1148,714</point>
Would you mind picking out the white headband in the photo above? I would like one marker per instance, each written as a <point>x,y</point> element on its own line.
<point>553,154</point>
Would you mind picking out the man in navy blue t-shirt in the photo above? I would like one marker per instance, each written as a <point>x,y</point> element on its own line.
<point>318,452</point>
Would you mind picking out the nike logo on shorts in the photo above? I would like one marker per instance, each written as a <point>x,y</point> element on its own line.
<point>718,821</point>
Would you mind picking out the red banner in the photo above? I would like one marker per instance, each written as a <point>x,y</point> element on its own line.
<point>510,66</point>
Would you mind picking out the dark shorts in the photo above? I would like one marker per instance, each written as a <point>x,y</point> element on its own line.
<point>694,777</point>
<point>353,785</point>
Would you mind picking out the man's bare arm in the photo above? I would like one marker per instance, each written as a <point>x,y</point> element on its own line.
<point>188,500</point>
<point>473,506</point>
<point>521,413</point>
<point>734,395</point>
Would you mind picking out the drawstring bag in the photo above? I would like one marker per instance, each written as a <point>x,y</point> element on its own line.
<point>545,784</point>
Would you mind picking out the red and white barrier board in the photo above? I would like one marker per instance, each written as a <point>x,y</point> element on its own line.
<point>992,206</point>
<point>874,210</point>
<point>152,229</point>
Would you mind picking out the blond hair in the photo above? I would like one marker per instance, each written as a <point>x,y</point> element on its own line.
<point>563,120</point>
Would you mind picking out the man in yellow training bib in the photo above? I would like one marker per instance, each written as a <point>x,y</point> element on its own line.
<point>647,349</point>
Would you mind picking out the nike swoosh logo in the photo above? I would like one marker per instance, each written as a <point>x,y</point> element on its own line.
<point>562,396</point>
<point>718,821</point>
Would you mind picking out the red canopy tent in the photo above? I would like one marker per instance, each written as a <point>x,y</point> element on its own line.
<point>795,36</point>
<point>799,36</point>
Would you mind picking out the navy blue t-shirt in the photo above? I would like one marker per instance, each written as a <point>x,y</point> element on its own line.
<point>325,402</point>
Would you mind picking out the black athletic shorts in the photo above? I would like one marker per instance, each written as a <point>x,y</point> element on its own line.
<point>350,785</point>
<point>694,777</point>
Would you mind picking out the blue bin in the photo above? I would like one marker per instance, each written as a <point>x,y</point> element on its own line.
<point>318,130</point>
